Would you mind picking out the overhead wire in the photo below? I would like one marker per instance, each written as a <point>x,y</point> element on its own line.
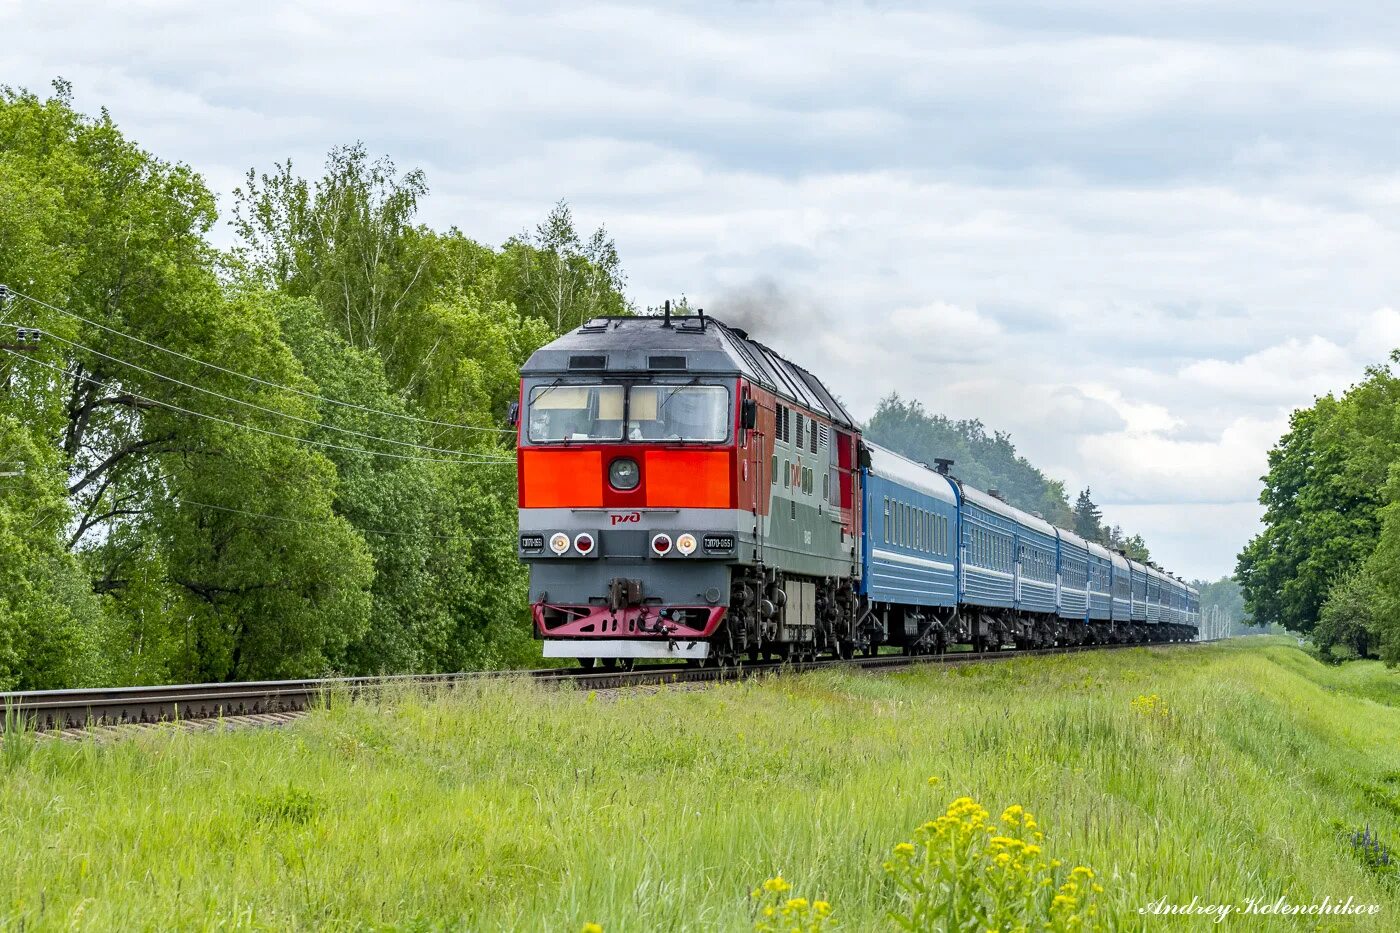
<point>324,524</point>
<point>251,378</point>
<point>254,405</point>
<point>469,460</point>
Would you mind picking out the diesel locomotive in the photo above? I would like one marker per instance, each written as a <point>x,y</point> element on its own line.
<point>686,492</point>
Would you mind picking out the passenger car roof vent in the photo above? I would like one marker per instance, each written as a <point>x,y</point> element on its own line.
<point>579,361</point>
<point>666,362</point>
<point>594,325</point>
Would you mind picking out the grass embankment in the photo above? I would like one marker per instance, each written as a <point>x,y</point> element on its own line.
<point>512,808</point>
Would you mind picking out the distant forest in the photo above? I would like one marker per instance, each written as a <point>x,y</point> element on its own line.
<point>990,461</point>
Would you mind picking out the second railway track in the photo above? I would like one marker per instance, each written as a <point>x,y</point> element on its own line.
<point>68,711</point>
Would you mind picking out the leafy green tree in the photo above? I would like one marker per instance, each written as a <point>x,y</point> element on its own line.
<point>162,462</point>
<point>1135,547</point>
<point>1323,497</point>
<point>349,242</point>
<point>559,277</point>
<point>1347,625</point>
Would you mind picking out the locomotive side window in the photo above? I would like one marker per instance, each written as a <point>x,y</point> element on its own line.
<point>678,413</point>
<point>576,413</point>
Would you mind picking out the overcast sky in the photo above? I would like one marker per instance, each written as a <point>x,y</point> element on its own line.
<point>1135,235</point>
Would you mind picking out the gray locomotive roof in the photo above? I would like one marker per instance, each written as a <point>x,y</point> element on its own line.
<point>709,346</point>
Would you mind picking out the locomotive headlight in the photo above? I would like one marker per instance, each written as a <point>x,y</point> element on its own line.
<point>583,543</point>
<point>559,542</point>
<point>686,544</point>
<point>661,544</point>
<point>624,474</point>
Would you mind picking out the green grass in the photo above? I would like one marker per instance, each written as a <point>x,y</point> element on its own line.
<point>508,807</point>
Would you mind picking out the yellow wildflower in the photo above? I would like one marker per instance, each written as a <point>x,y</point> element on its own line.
<point>904,848</point>
<point>797,903</point>
<point>934,781</point>
<point>776,885</point>
<point>592,928</point>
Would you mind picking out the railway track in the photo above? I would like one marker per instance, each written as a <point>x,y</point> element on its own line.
<point>258,702</point>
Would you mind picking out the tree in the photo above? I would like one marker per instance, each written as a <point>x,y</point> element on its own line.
<point>556,276</point>
<point>1136,548</point>
<point>1088,520</point>
<point>1348,625</point>
<point>1323,495</point>
<point>348,242</point>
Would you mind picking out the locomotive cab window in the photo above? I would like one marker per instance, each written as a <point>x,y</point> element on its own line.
<point>678,413</point>
<point>576,413</point>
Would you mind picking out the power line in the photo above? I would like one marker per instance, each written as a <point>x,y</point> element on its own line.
<point>255,405</point>
<point>467,461</point>
<point>305,521</point>
<point>232,372</point>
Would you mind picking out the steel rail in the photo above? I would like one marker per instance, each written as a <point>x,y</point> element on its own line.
<point>53,710</point>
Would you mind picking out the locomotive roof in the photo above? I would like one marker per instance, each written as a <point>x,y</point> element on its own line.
<point>690,345</point>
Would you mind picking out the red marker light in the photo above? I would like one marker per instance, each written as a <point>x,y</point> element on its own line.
<point>661,544</point>
<point>583,543</point>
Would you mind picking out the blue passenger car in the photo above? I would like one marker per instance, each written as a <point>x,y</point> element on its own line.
<point>989,532</point>
<point>1138,573</point>
<point>1036,554</point>
<point>1074,576</point>
<point>1100,583</point>
<point>1122,586</point>
<point>910,542</point>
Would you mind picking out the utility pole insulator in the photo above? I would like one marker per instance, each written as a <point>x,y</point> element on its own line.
<point>27,340</point>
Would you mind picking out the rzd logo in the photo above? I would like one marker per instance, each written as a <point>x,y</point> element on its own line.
<point>625,518</point>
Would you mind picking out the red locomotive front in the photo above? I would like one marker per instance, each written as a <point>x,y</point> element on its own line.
<point>646,482</point>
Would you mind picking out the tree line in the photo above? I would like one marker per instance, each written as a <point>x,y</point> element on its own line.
<point>990,461</point>
<point>278,460</point>
<point>1327,563</point>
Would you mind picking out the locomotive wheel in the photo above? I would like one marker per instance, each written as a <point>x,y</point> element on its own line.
<point>587,663</point>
